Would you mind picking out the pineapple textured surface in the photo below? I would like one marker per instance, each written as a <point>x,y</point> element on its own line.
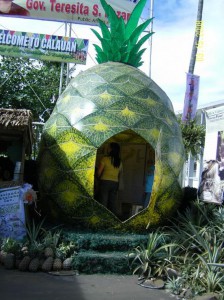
<point>112,99</point>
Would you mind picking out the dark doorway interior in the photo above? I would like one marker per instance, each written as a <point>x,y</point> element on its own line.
<point>136,155</point>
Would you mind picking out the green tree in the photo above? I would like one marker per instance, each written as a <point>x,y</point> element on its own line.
<point>193,135</point>
<point>29,84</point>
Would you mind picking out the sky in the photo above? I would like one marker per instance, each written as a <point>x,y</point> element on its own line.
<point>174,26</point>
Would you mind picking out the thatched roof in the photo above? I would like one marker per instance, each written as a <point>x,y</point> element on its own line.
<point>15,123</point>
<point>15,118</point>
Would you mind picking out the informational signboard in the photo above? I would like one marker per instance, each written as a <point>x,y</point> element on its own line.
<point>214,125</point>
<point>43,46</point>
<point>12,215</point>
<point>83,12</point>
<point>212,184</point>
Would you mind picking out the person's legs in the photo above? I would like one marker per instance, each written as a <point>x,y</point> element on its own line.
<point>104,192</point>
<point>113,196</point>
<point>108,194</point>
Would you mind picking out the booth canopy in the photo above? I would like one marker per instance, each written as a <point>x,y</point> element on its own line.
<point>16,124</point>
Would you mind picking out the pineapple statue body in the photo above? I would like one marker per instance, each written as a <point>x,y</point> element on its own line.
<point>108,100</point>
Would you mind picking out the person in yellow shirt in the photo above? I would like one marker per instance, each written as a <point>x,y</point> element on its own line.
<point>109,171</point>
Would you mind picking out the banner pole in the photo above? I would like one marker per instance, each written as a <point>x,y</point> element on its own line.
<point>62,67</point>
<point>67,76</point>
<point>61,78</point>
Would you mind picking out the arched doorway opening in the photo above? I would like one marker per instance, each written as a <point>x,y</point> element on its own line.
<point>136,155</point>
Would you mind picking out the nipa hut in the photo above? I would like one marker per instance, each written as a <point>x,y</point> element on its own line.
<point>16,139</point>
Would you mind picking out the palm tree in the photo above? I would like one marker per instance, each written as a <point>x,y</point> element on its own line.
<point>196,37</point>
<point>197,34</point>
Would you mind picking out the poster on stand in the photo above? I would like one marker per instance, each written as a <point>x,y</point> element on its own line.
<point>12,214</point>
<point>211,188</point>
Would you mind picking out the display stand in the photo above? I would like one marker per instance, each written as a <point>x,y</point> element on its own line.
<point>12,213</point>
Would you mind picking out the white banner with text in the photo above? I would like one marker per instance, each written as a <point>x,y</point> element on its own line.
<point>212,183</point>
<point>83,12</point>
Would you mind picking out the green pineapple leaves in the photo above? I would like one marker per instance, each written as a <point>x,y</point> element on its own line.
<point>134,17</point>
<point>121,43</point>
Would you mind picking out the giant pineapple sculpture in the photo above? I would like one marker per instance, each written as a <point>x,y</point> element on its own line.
<point>109,99</point>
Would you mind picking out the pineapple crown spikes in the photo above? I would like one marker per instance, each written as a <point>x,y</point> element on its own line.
<point>121,43</point>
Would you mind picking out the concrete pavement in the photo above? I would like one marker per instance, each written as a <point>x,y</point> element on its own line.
<point>17,285</point>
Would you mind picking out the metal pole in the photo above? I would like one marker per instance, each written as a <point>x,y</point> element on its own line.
<point>61,78</point>
<point>150,41</point>
<point>67,76</point>
<point>62,66</point>
<point>201,165</point>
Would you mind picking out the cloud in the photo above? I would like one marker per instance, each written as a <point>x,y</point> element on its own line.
<point>174,27</point>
